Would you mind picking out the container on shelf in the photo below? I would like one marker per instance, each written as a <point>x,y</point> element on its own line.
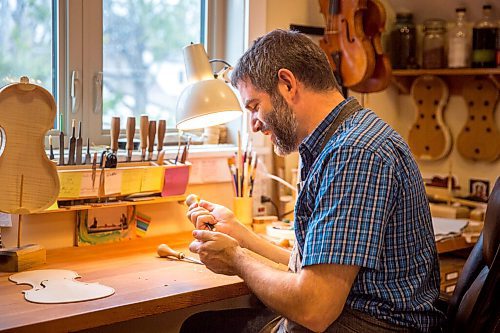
<point>403,42</point>
<point>433,46</point>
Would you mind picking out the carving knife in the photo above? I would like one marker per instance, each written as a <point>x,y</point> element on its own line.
<point>79,144</point>
<point>130,137</point>
<point>151,138</point>
<point>144,135</point>
<point>115,133</point>
<point>162,125</point>
<point>72,142</point>
<point>87,155</point>
<point>61,148</point>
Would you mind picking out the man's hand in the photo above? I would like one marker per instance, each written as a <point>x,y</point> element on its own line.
<point>217,251</point>
<point>204,212</point>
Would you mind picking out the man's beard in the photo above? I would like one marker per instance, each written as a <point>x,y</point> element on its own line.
<point>281,121</point>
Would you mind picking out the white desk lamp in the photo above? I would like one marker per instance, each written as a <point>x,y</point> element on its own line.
<point>207,100</point>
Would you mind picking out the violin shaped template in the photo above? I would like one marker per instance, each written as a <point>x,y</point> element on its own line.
<point>429,137</point>
<point>58,286</point>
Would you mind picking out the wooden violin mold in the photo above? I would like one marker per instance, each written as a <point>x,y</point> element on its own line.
<point>479,139</point>
<point>28,178</point>
<point>429,137</point>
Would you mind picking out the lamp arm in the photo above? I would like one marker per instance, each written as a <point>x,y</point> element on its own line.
<point>280,180</point>
<point>220,60</point>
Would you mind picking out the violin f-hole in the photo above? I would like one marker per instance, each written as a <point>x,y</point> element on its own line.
<point>348,34</point>
<point>3,140</point>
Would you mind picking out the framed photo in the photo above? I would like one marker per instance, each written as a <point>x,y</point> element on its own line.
<point>479,188</point>
<point>104,225</point>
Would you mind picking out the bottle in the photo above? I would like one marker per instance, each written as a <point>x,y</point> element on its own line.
<point>484,41</point>
<point>403,42</point>
<point>458,42</point>
<point>433,44</point>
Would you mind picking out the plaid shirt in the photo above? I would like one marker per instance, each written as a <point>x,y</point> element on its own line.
<point>363,203</point>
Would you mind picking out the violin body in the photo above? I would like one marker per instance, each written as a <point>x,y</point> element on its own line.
<point>28,178</point>
<point>479,139</point>
<point>373,24</point>
<point>348,49</point>
<point>429,137</point>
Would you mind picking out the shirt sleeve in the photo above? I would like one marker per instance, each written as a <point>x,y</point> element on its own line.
<point>355,200</point>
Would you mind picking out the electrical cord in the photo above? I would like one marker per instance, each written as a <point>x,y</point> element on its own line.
<point>265,199</point>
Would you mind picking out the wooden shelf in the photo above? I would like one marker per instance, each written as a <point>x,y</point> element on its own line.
<point>139,201</point>
<point>403,78</point>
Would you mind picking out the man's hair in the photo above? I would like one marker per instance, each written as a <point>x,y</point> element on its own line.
<point>284,49</point>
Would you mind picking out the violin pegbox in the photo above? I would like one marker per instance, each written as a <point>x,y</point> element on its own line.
<point>479,139</point>
<point>429,137</point>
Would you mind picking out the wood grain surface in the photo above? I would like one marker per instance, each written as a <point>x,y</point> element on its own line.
<point>144,283</point>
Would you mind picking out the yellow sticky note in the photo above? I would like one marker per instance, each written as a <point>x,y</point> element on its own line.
<point>70,184</point>
<point>131,180</point>
<point>152,179</point>
<point>54,206</point>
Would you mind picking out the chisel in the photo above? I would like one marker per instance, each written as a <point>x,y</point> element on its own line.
<point>115,133</point>
<point>87,155</point>
<point>144,135</point>
<point>61,148</point>
<point>165,251</point>
<point>51,149</point>
<point>130,137</point>
<point>151,138</point>
<point>162,126</point>
<point>79,144</point>
<point>72,142</point>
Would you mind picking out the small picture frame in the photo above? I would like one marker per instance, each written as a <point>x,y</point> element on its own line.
<point>479,189</point>
<point>104,225</point>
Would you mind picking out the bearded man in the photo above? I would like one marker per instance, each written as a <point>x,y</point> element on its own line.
<point>364,259</point>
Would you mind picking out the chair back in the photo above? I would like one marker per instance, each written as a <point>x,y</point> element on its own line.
<point>474,306</point>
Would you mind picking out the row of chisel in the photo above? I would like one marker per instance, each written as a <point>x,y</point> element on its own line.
<point>149,131</point>
<point>75,152</point>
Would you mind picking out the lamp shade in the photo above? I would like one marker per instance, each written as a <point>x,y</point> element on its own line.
<point>206,101</point>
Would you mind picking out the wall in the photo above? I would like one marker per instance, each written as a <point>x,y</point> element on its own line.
<point>398,110</point>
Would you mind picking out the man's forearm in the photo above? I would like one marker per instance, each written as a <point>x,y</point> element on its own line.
<point>266,249</point>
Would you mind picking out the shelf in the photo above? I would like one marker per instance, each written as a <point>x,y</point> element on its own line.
<point>139,201</point>
<point>403,78</point>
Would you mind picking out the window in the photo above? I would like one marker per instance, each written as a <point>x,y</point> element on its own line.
<point>104,58</point>
<point>26,42</point>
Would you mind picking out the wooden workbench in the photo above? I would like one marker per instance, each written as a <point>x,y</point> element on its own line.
<point>144,285</point>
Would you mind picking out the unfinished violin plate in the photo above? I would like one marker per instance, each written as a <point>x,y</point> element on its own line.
<point>52,286</point>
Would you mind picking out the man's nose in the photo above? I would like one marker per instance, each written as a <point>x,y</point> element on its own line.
<point>256,124</point>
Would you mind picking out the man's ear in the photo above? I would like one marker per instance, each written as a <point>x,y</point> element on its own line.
<point>287,84</point>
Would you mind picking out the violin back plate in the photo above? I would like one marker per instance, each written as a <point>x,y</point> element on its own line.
<point>29,180</point>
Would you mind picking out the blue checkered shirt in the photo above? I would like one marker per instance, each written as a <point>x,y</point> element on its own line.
<point>363,203</point>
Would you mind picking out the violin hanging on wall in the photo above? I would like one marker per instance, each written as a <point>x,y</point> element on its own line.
<point>374,25</point>
<point>348,49</point>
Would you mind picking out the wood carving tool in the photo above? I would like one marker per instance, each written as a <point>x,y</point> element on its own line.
<point>115,133</point>
<point>130,137</point>
<point>185,151</point>
<point>193,198</point>
<point>162,126</point>
<point>51,149</point>
<point>165,251</point>
<point>79,145</point>
<point>94,169</point>
<point>144,135</point>
<point>151,138</point>
<point>87,155</point>
<point>61,148</point>
<point>101,190</point>
<point>72,143</point>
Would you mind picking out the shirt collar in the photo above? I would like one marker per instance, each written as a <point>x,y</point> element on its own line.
<point>311,145</point>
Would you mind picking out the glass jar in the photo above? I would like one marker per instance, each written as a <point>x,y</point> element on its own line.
<point>433,48</point>
<point>403,42</point>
